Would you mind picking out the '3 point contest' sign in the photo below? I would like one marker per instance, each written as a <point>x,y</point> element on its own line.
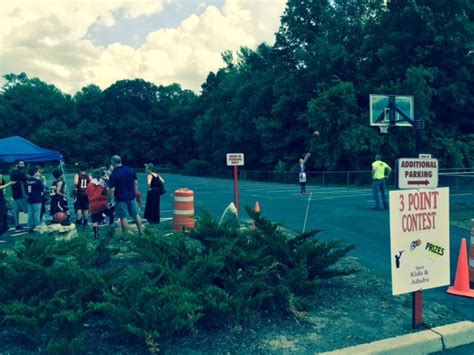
<point>419,239</point>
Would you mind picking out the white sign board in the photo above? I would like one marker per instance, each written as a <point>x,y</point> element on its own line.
<point>419,239</point>
<point>424,156</point>
<point>417,173</point>
<point>235,159</point>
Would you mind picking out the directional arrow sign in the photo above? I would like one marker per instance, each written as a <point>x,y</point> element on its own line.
<point>413,173</point>
<point>411,182</point>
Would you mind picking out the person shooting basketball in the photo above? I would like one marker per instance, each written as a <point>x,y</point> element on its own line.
<point>302,175</point>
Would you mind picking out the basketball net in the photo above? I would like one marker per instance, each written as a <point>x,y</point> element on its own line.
<point>384,129</point>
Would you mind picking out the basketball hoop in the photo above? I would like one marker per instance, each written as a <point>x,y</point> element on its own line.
<point>384,129</point>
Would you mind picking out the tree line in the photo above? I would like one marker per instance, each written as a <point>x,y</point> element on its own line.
<point>328,57</point>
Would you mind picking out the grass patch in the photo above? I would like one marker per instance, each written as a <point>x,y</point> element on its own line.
<point>461,215</point>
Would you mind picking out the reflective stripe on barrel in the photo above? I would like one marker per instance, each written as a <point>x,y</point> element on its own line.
<point>471,254</point>
<point>183,217</point>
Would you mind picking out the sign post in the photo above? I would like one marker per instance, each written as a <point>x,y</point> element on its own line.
<point>419,243</point>
<point>236,189</point>
<point>416,173</point>
<point>235,160</point>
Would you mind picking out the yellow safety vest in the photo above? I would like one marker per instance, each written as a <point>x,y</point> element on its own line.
<point>379,167</point>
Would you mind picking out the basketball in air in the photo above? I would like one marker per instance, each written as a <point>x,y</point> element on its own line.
<point>59,217</point>
<point>316,133</point>
<point>418,242</point>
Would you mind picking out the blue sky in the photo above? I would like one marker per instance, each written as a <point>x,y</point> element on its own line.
<point>74,43</point>
<point>133,31</point>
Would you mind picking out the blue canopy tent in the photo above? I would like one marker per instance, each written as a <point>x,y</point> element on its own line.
<point>16,148</point>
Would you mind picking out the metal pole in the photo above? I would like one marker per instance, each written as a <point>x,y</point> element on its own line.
<point>61,165</point>
<point>307,209</point>
<point>419,127</point>
<point>417,296</point>
<point>417,309</point>
<point>236,189</point>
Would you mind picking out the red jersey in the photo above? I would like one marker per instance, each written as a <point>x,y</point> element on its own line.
<point>97,195</point>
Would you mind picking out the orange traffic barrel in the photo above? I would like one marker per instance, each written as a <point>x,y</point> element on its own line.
<point>471,253</point>
<point>183,217</point>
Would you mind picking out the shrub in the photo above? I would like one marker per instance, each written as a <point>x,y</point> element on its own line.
<point>172,283</point>
<point>47,286</point>
<point>213,274</point>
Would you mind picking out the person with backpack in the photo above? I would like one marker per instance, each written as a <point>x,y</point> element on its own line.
<point>155,188</point>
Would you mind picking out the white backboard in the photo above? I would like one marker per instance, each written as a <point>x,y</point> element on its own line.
<point>379,108</point>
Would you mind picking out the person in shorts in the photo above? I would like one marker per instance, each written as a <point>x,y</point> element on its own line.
<point>302,174</point>
<point>34,189</point>
<point>81,203</point>
<point>98,205</point>
<point>123,186</point>
<point>58,197</point>
<point>19,192</point>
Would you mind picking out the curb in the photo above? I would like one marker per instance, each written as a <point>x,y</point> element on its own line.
<point>427,341</point>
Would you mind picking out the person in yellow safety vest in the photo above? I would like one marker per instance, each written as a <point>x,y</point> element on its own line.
<point>380,172</point>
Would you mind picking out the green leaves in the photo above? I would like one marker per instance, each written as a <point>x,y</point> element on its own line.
<point>163,284</point>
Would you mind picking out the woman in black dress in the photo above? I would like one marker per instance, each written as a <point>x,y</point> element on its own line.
<point>152,207</point>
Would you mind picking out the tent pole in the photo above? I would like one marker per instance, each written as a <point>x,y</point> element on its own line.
<point>66,189</point>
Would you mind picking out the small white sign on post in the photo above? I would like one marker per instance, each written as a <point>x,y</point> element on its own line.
<point>235,159</point>
<point>419,239</point>
<point>416,173</point>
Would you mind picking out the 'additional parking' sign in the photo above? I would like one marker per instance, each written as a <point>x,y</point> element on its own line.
<point>417,173</point>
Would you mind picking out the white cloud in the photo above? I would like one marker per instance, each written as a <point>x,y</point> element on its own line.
<point>46,39</point>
